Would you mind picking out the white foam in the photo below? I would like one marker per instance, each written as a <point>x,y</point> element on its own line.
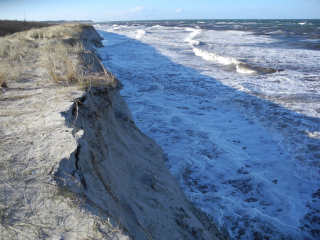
<point>246,70</point>
<point>157,26</point>
<point>315,135</point>
<point>214,57</point>
<point>140,33</point>
<point>277,32</point>
<point>230,150</point>
<point>192,35</point>
<point>189,29</point>
<point>237,26</point>
<point>116,28</point>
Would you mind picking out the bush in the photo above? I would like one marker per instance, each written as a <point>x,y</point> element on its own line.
<point>9,27</point>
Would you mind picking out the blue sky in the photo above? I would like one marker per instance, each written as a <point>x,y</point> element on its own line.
<point>106,10</point>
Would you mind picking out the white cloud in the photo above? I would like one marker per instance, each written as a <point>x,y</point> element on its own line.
<point>142,12</point>
<point>178,10</point>
<point>139,10</point>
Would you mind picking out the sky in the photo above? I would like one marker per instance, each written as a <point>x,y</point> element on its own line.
<point>123,10</point>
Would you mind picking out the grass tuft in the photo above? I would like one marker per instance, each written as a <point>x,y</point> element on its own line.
<point>65,65</point>
<point>3,79</point>
<point>71,30</point>
<point>61,52</point>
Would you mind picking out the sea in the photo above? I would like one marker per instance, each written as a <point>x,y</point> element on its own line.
<point>235,106</point>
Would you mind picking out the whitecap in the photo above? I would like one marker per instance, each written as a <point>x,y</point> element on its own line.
<point>192,35</point>
<point>189,29</point>
<point>215,57</point>
<point>156,26</point>
<point>245,69</point>
<point>315,135</point>
<point>140,33</point>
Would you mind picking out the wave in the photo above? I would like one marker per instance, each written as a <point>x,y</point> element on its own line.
<point>194,33</point>
<point>140,33</point>
<point>156,26</point>
<point>240,67</point>
<point>215,57</point>
<point>237,26</point>
<point>116,28</point>
<point>277,32</point>
<point>189,29</point>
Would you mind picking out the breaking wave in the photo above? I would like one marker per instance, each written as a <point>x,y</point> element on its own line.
<point>140,34</point>
<point>214,57</point>
<point>240,67</point>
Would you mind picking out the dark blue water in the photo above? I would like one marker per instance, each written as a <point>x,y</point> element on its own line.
<point>235,106</point>
<point>303,33</point>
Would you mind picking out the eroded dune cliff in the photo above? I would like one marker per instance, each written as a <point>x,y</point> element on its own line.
<point>75,165</point>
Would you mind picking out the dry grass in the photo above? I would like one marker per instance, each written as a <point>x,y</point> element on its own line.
<point>59,63</point>
<point>14,55</point>
<point>71,30</point>
<point>3,77</point>
<point>26,211</point>
<point>64,63</point>
<point>42,212</point>
<point>60,50</point>
<point>65,66</point>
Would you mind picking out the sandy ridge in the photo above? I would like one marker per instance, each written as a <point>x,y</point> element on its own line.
<point>75,166</point>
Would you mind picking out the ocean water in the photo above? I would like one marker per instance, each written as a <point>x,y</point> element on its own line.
<point>235,106</point>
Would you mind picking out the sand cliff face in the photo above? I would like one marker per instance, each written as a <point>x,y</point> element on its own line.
<point>85,168</point>
<point>122,171</point>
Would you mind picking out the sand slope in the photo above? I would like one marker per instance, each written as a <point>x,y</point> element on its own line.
<point>75,166</point>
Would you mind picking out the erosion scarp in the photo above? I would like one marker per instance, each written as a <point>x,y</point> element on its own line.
<point>73,163</point>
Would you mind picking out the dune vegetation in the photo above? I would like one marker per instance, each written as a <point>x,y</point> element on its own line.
<point>42,72</point>
<point>9,27</point>
<point>58,49</point>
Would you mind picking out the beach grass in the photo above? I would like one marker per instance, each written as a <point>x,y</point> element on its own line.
<point>40,69</point>
<point>60,51</point>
